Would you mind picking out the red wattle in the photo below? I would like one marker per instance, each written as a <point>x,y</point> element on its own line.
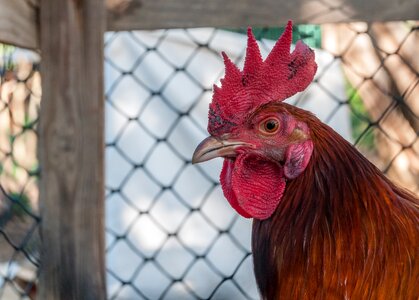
<point>253,187</point>
<point>226,185</point>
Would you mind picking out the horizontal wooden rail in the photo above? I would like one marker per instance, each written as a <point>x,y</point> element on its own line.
<point>19,19</point>
<point>19,23</point>
<point>152,14</point>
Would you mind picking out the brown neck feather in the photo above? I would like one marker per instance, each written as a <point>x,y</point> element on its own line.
<point>342,230</point>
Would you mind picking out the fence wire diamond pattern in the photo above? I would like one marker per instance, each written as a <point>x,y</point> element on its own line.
<point>170,232</point>
<point>20,97</point>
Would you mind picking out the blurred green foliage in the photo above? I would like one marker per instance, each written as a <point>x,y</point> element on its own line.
<point>6,63</point>
<point>359,119</point>
<point>20,203</point>
<point>310,34</point>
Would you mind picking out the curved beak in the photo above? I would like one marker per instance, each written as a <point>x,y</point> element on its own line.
<point>213,147</point>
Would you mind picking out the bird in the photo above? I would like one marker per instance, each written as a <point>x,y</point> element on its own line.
<point>327,223</point>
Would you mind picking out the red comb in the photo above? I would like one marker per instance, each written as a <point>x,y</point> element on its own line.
<point>280,76</point>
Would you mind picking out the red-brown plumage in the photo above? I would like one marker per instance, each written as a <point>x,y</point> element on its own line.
<point>327,223</point>
<point>341,231</point>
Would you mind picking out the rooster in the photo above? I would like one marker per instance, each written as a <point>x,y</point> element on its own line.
<point>327,224</point>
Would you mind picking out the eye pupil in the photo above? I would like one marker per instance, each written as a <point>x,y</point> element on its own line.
<point>270,125</point>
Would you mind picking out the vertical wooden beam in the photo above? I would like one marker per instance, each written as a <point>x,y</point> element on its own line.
<point>71,150</point>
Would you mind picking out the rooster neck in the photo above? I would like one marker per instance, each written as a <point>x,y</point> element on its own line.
<point>342,229</point>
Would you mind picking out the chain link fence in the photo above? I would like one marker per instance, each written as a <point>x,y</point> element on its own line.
<point>170,232</point>
<point>20,97</point>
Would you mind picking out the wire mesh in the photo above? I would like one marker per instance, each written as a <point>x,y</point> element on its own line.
<point>19,218</point>
<point>170,232</point>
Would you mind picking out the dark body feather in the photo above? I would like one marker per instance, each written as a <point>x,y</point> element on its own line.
<point>341,231</point>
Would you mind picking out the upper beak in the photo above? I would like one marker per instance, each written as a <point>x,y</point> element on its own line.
<point>213,147</point>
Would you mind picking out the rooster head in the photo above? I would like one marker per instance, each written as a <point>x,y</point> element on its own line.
<point>263,144</point>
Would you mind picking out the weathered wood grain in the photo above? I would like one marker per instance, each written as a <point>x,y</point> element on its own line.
<point>152,14</point>
<point>19,23</point>
<point>19,18</point>
<point>71,150</point>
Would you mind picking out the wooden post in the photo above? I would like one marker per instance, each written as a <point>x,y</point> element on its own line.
<point>71,150</point>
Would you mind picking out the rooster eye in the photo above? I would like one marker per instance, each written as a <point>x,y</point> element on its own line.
<point>270,126</point>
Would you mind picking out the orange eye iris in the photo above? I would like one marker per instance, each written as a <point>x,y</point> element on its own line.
<point>270,126</point>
